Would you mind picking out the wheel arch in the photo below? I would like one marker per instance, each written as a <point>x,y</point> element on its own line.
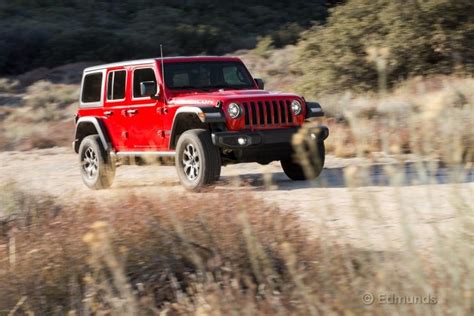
<point>191,117</point>
<point>86,126</point>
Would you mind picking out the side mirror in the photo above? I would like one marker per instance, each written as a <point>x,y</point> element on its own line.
<point>149,89</point>
<point>260,83</point>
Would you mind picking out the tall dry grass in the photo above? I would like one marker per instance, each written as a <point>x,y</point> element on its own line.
<point>228,253</point>
<point>428,117</point>
<point>42,119</point>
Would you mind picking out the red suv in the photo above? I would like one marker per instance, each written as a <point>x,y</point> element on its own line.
<point>204,112</point>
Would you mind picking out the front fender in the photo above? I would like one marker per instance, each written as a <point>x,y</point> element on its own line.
<point>206,114</point>
<point>189,117</point>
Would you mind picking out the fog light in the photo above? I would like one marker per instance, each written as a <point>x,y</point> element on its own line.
<point>242,141</point>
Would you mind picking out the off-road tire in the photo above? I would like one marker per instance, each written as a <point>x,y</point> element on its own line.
<point>198,161</point>
<point>296,172</point>
<point>97,168</point>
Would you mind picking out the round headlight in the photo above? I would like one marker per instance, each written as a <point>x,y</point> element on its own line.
<point>234,110</point>
<point>296,107</point>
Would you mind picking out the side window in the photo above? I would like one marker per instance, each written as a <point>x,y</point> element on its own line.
<point>91,88</point>
<point>140,75</point>
<point>116,85</point>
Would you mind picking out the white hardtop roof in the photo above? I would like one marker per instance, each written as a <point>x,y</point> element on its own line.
<point>146,61</point>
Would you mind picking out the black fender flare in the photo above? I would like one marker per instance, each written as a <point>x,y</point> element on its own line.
<point>100,129</point>
<point>205,114</point>
<point>313,109</point>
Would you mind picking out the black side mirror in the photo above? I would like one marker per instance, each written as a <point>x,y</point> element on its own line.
<point>148,89</point>
<point>260,83</point>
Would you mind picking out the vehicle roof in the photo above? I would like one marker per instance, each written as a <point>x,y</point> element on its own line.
<point>165,60</point>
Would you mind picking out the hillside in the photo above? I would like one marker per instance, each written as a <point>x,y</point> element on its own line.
<point>44,33</point>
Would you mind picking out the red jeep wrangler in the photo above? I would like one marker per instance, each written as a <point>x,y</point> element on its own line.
<point>203,111</point>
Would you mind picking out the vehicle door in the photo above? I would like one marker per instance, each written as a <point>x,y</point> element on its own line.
<point>115,103</point>
<point>144,119</point>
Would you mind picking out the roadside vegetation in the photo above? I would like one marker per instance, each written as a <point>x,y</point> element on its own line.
<point>227,254</point>
<point>438,111</point>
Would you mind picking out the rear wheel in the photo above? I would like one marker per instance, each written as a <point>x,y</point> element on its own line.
<point>295,171</point>
<point>97,170</point>
<point>198,161</point>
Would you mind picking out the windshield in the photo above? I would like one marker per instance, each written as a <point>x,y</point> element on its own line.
<point>205,75</point>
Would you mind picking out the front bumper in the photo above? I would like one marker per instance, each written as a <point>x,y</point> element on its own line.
<point>248,139</point>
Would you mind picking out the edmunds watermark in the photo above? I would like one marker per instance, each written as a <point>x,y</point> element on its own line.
<point>396,299</point>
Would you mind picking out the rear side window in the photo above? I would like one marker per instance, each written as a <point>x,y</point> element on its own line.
<point>140,75</point>
<point>116,85</point>
<point>91,88</point>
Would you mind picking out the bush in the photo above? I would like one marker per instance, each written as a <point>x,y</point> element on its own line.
<point>264,47</point>
<point>367,40</point>
<point>43,94</point>
<point>42,119</point>
<point>8,85</point>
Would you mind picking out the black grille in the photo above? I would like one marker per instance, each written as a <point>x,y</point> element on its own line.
<point>270,113</point>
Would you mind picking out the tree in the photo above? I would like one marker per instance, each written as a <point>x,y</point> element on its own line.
<point>419,38</point>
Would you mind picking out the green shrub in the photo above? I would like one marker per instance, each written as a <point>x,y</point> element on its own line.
<point>366,39</point>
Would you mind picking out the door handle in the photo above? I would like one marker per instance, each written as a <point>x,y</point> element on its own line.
<point>132,112</point>
<point>108,113</point>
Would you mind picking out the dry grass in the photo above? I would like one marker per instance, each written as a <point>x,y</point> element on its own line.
<point>37,108</point>
<point>274,66</point>
<point>43,119</point>
<point>437,112</point>
<point>213,254</point>
<point>167,247</point>
<point>8,85</point>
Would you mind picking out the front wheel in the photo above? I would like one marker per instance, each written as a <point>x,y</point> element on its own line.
<point>295,171</point>
<point>97,170</point>
<point>198,161</point>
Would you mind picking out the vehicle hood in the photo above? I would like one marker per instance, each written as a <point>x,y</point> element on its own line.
<point>225,96</point>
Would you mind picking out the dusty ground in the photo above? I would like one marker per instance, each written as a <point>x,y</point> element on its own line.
<point>356,204</point>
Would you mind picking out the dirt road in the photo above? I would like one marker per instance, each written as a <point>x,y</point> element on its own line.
<point>357,205</point>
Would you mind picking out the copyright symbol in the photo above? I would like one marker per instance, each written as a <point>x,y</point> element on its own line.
<point>368,299</point>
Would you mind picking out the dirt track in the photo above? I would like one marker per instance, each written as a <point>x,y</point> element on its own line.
<point>367,215</point>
